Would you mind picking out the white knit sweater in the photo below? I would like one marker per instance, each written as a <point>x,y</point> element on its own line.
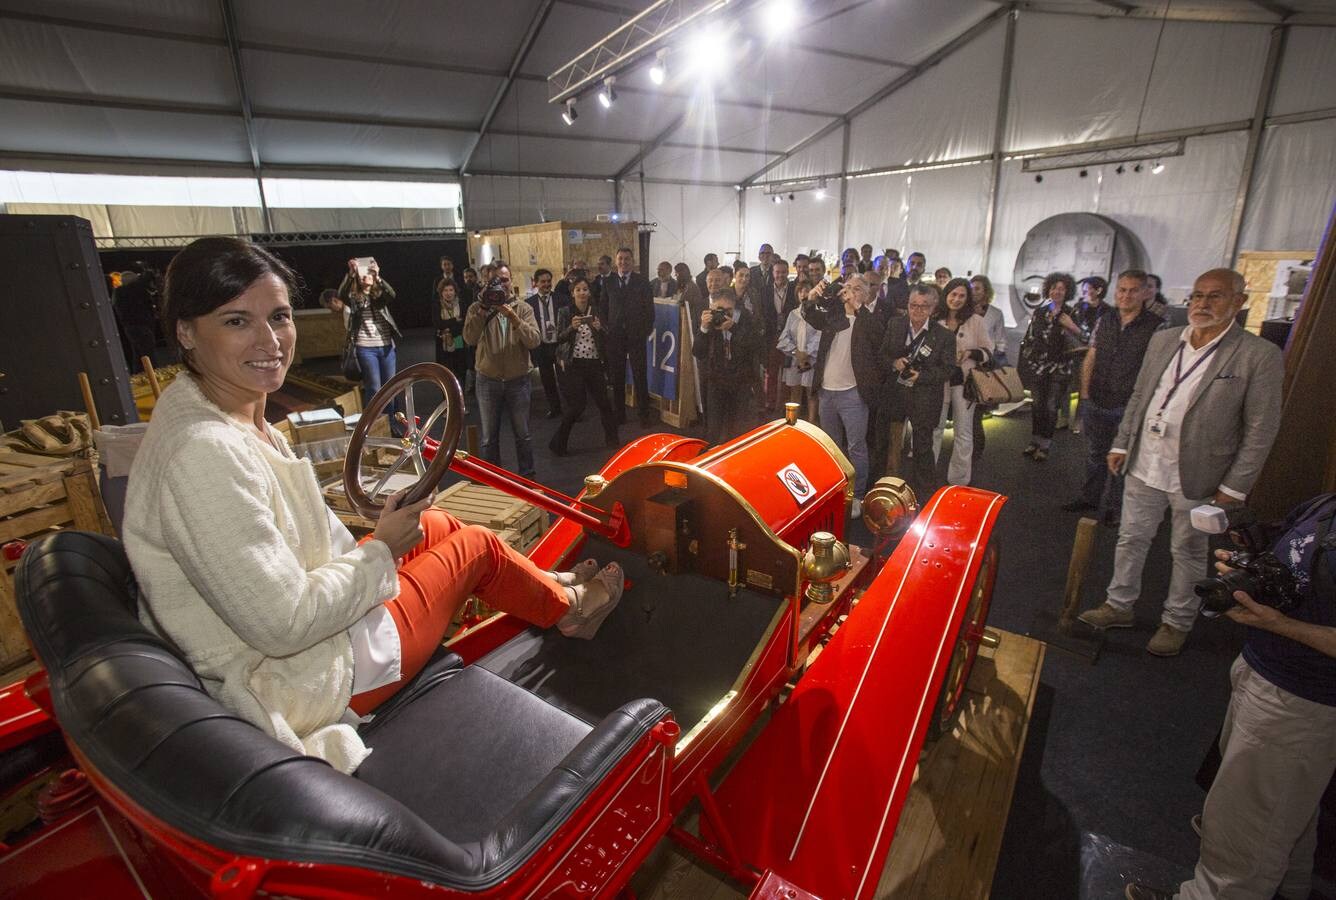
<point>230,540</point>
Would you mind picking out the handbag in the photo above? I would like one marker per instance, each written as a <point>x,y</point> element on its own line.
<point>994,385</point>
<point>351,365</point>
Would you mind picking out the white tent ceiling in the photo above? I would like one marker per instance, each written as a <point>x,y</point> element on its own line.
<point>351,86</point>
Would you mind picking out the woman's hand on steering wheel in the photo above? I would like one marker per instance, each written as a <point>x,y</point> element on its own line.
<point>400,527</point>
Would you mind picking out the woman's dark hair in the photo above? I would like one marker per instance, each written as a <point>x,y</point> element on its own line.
<point>1053,278</point>
<point>942,310</point>
<point>581,278</point>
<point>212,271</point>
<point>681,269</point>
<point>1099,284</point>
<point>987,284</point>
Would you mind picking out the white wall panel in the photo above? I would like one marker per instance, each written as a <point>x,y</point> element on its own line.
<point>703,165</point>
<point>1307,78</point>
<point>898,31</point>
<point>1205,73</point>
<point>361,219</point>
<point>496,202</point>
<point>691,221</point>
<point>945,113</point>
<point>939,213</point>
<point>1077,78</point>
<point>95,213</point>
<point>793,226</point>
<point>713,124</point>
<point>822,158</point>
<point>1294,190</point>
<point>170,221</point>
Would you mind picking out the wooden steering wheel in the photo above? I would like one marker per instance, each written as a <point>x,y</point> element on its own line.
<point>429,459</point>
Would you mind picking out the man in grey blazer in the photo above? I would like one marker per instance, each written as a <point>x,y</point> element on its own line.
<point>1197,429</point>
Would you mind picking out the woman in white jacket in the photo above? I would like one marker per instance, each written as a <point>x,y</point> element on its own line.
<point>955,310</point>
<point>286,619</point>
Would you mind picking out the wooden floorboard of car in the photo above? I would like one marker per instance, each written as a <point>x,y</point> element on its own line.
<point>950,831</point>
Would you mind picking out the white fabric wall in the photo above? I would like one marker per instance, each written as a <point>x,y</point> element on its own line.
<point>792,226</point>
<point>939,213</point>
<point>690,221</point>
<point>1294,188</point>
<point>497,202</point>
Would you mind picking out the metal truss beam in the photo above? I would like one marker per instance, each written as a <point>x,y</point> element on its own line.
<point>1196,13</point>
<point>626,44</point>
<point>521,53</point>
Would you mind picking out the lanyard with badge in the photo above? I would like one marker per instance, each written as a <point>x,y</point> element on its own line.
<point>1158,427</point>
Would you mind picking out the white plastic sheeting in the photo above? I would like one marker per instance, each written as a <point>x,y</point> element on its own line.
<point>1307,79</point>
<point>822,158</point>
<point>939,213</point>
<point>1294,190</point>
<point>690,221</point>
<point>726,167</point>
<point>795,226</point>
<point>1083,79</point>
<point>945,113</point>
<point>69,188</point>
<point>496,202</point>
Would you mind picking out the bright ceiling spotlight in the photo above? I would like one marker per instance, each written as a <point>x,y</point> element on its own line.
<point>820,194</point>
<point>777,199</point>
<point>707,53</point>
<point>607,96</point>
<point>570,114</point>
<point>779,17</point>
<point>1157,168</point>
<point>659,71</point>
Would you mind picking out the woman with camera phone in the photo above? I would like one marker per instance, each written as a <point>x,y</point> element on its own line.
<point>726,346</point>
<point>581,357</point>
<point>799,342</point>
<point>955,311</point>
<point>366,314</point>
<point>1045,364</point>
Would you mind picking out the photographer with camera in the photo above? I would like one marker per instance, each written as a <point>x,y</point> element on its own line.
<point>726,347</point>
<point>1199,424</point>
<point>1278,742</point>
<point>847,379</point>
<point>503,329</point>
<point>917,356</point>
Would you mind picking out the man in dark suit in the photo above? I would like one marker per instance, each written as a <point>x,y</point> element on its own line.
<point>778,298</point>
<point>760,273</point>
<point>546,306</point>
<point>725,350</point>
<point>711,262</point>
<point>664,286</point>
<point>922,352</point>
<point>627,306</point>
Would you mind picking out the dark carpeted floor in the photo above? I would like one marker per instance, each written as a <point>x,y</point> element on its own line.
<point>1107,777</point>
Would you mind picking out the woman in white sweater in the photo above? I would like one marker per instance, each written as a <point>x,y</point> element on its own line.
<point>955,310</point>
<point>287,620</point>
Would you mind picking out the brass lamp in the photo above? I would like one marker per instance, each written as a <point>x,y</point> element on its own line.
<point>824,563</point>
<point>889,508</point>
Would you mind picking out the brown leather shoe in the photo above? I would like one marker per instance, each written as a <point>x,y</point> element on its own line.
<point>1106,615</point>
<point>1168,641</point>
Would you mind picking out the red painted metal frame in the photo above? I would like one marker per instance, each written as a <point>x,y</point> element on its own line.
<point>816,798</point>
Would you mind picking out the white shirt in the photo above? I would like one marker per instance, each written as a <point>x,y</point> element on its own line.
<point>1157,464</point>
<point>547,318</point>
<point>839,371</point>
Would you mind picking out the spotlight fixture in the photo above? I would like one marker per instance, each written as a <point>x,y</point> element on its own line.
<point>1157,168</point>
<point>790,198</point>
<point>608,96</point>
<point>778,199</point>
<point>1137,167</point>
<point>616,217</point>
<point>659,71</point>
<point>1120,170</point>
<point>1038,178</point>
<point>477,233</point>
<point>570,114</point>
<point>1084,173</point>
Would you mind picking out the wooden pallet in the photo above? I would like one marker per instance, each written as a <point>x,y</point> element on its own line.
<point>39,495</point>
<point>950,831</point>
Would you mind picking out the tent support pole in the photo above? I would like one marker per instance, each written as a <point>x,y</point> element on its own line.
<point>233,46</point>
<point>1274,53</point>
<point>844,185</point>
<point>999,139</point>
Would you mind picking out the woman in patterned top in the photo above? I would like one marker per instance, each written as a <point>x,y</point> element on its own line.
<point>580,358</point>
<point>1046,363</point>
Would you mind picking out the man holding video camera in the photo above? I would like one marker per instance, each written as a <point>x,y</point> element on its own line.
<point>1197,428</point>
<point>1278,742</point>
<point>503,329</point>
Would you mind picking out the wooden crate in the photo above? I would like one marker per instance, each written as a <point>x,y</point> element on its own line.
<point>320,333</point>
<point>552,245</point>
<point>1258,267</point>
<point>39,495</point>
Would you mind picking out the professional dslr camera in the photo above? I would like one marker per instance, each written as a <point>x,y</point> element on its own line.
<point>718,316</point>
<point>1256,570</point>
<point>494,294</point>
<point>916,359</point>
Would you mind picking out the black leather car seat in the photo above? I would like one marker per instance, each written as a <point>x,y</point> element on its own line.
<point>130,704</point>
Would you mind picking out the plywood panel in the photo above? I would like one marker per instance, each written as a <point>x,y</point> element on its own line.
<point>1259,269</point>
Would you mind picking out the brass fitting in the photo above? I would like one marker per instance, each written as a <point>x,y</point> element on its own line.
<point>594,485</point>
<point>824,563</point>
<point>889,508</point>
<point>791,413</point>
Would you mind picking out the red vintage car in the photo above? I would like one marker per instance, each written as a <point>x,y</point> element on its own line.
<point>521,764</point>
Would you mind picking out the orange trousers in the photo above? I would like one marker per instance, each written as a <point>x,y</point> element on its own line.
<point>453,561</point>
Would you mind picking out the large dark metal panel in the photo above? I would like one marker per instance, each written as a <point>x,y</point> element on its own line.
<point>57,322</point>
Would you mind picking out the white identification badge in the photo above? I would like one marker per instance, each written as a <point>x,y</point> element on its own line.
<point>1158,427</point>
<point>797,483</point>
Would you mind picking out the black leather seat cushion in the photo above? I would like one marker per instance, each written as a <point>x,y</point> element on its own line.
<point>128,702</point>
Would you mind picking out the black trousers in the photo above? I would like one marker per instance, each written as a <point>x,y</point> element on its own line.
<point>726,405</point>
<point>545,358</point>
<point>621,351</point>
<point>922,406</point>
<point>1044,399</point>
<point>581,381</point>
<point>1101,430</point>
